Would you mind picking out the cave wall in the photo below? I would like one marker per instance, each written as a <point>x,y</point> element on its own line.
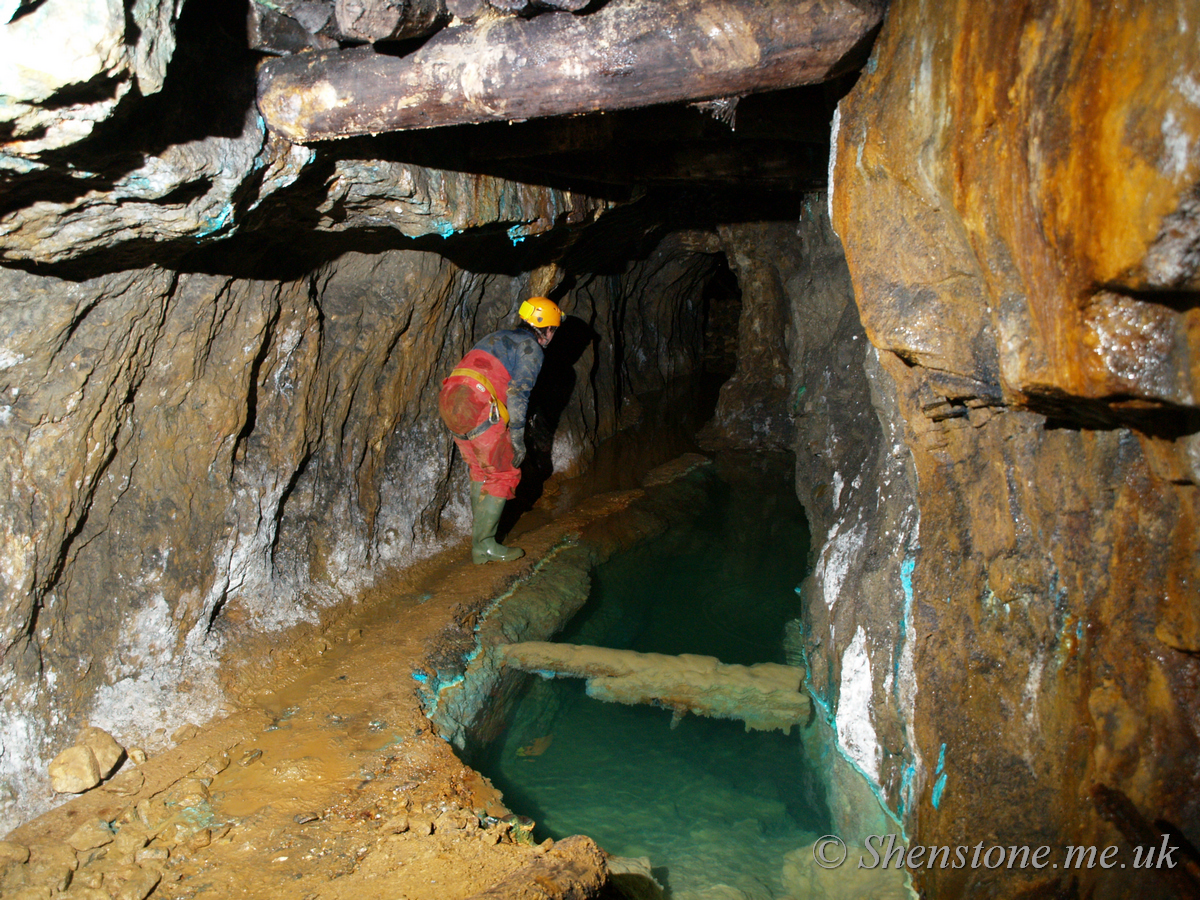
<point>1015,190</point>
<point>195,460</point>
<point>756,404</point>
<point>219,360</point>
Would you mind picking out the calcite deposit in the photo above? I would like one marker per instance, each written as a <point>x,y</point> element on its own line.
<point>763,696</point>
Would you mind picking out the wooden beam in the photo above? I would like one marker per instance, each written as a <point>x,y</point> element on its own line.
<point>471,9</point>
<point>763,696</point>
<point>630,53</point>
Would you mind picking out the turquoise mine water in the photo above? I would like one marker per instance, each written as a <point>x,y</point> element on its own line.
<point>706,802</point>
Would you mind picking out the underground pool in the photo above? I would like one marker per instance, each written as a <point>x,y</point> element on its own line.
<point>714,808</point>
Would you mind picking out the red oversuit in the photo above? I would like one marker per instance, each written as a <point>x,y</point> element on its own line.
<point>484,402</point>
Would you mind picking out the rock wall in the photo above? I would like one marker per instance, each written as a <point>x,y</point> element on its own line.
<point>219,360</point>
<point>755,406</point>
<point>1015,190</point>
<point>856,481</point>
<point>196,459</point>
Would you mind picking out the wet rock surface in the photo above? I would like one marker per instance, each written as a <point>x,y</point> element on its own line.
<point>331,773</point>
<point>1036,392</point>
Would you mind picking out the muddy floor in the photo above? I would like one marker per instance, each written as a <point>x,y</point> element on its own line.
<point>328,781</point>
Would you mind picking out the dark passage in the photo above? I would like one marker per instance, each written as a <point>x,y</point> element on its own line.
<point>705,801</point>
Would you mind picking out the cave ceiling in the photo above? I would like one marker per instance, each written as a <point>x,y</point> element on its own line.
<point>203,164</point>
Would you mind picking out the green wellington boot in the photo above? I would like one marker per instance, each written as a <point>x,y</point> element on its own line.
<point>486,511</point>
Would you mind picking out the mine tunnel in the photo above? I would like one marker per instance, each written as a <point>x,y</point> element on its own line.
<point>858,505</point>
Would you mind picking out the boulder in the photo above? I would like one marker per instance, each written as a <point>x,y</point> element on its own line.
<point>74,771</point>
<point>104,747</point>
<point>11,852</point>
<point>91,834</point>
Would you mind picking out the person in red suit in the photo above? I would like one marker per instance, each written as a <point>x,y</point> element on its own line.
<point>483,403</point>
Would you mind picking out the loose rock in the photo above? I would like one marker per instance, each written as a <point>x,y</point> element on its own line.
<point>13,853</point>
<point>214,766</point>
<point>455,820</point>
<point>148,813</point>
<point>127,783</point>
<point>398,825</point>
<point>200,839</point>
<point>185,733</point>
<point>53,873</point>
<point>104,747</point>
<point>88,893</point>
<point>128,843</point>
<point>188,792</point>
<point>152,856</point>
<point>139,884</point>
<point>86,878</point>
<point>30,893</point>
<point>91,835</point>
<point>74,771</point>
<point>420,824</point>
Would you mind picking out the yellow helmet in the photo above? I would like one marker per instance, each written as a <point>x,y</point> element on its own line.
<point>541,312</point>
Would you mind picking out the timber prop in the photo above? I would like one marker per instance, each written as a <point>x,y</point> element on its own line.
<point>626,54</point>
